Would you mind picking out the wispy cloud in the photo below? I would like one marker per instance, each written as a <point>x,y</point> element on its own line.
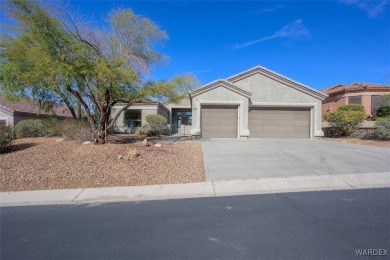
<point>293,30</point>
<point>270,9</point>
<point>373,8</point>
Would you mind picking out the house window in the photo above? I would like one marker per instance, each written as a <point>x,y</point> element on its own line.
<point>133,118</point>
<point>3,121</point>
<point>378,102</point>
<point>355,100</point>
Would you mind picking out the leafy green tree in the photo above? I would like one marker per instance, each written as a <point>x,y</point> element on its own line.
<point>53,56</point>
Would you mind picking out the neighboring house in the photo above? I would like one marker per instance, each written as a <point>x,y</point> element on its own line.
<point>369,95</point>
<point>12,113</point>
<point>257,103</point>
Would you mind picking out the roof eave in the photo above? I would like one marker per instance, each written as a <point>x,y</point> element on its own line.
<point>218,83</point>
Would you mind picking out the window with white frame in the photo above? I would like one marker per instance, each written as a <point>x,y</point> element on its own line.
<point>133,118</point>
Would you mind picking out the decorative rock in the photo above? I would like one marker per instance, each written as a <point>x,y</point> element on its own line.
<point>145,142</point>
<point>120,157</point>
<point>132,154</point>
<point>157,145</point>
<point>60,140</point>
<point>87,142</point>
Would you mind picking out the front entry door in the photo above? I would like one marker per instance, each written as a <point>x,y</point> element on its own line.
<point>185,126</point>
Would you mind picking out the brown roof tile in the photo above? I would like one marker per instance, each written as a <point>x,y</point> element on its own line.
<point>356,86</point>
<point>32,107</point>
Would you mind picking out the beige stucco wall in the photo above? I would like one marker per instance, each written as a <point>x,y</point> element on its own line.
<point>269,92</point>
<point>220,96</point>
<point>7,114</point>
<point>120,125</point>
<point>184,103</point>
<point>163,113</point>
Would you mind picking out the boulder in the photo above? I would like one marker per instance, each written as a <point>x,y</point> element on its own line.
<point>120,157</point>
<point>145,142</point>
<point>87,142</point>
<point>157,145</point>
<point>132,154</point>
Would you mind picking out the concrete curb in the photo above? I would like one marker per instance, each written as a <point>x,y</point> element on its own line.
<point>196,190</point>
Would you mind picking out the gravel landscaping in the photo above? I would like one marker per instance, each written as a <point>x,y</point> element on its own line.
<point>379,143</point>
<point>50,163</point>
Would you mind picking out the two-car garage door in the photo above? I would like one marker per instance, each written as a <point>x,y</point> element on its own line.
<point>221,121</point>
<point>273,122</point>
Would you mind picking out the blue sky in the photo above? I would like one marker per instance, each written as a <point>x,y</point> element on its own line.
<point>318,43</point>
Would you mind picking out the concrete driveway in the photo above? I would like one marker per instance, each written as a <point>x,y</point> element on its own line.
<point>233,159</point>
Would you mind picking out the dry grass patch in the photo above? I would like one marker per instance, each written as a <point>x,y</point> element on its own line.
<point>44,163</point>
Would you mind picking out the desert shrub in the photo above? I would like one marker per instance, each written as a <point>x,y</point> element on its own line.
<point>365,133</point>
<point>75,129</point>
<point>143,130</point>
<point>34,128</point>
<point>345,119</point>
<point>351,107</point>
<point>155,125</point>
<point>383,112</point>
<point>332,132</point>
<point>382,130</point>
<point>7,136</point>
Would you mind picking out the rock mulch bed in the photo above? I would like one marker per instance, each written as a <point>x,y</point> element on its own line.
<point>379,143</point>
<point>50,163</point>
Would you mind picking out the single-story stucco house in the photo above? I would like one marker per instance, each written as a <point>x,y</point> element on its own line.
<point>370,95</point>
<point>13,113</point>
<point>256,103</point>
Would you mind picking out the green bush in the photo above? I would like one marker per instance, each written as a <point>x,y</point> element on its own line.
<point>345,119</point>
<point>7,136</point>
<point>35,128</point>
<point>155,125</point>
<point>383,111</point>
<point>382,130</point>
<point>351,107</point>
<point>75,129</point>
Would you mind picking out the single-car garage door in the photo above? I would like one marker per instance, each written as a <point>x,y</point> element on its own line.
<point>219,121</point>
<point>286,122</point>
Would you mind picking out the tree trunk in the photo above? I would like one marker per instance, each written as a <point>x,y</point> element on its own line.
<point>99,135</point>
<point>71,109</point>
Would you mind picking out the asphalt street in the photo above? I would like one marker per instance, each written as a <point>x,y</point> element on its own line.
<point>307,225</point>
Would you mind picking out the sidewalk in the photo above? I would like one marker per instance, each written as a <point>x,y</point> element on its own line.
<point>195,190</point>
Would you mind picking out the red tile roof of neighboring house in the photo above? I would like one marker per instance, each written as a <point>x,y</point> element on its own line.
<point>32,107</point>
<point>357,86</point>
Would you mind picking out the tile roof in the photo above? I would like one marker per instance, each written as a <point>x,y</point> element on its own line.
<point>32,107</point>
<point>356,86</point>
